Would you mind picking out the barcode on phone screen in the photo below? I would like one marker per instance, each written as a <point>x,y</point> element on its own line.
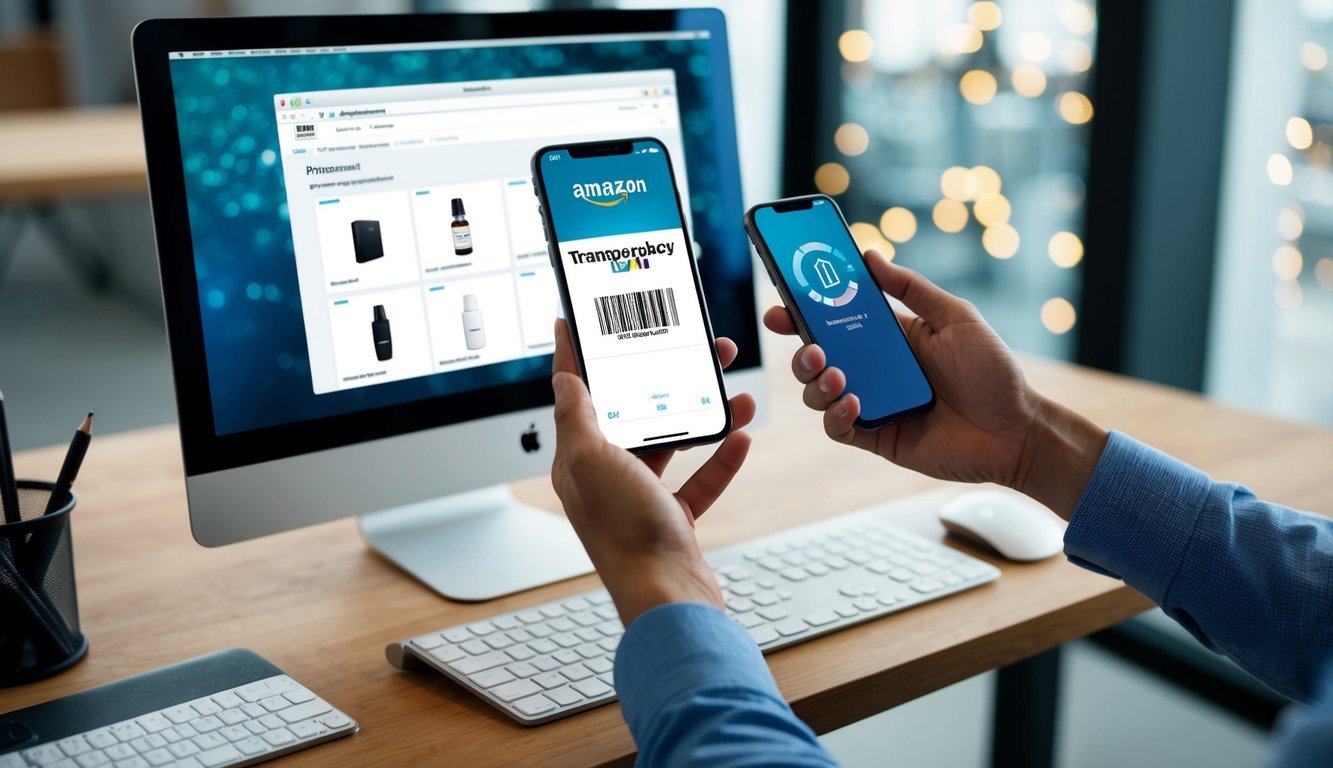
<point>636,311</point>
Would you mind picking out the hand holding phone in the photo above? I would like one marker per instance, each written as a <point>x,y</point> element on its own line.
<point>834,302</point>
<point>986,419</point>
<point>631,293</point>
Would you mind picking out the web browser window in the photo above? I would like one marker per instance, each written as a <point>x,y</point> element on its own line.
<point>418,245</point>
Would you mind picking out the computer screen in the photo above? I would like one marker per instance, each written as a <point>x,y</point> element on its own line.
<point>363,226</point>
<point>359,300</point>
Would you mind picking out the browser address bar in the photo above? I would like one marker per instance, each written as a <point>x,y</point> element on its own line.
<point>466,103</point>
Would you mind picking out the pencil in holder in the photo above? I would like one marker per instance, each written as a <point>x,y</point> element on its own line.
<point>39,609</point>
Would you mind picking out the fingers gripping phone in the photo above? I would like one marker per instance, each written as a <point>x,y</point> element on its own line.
<point>825,284</point>
<point>631,292</point>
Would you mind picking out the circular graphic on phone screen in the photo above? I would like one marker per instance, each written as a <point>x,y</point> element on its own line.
<point>825,274</point>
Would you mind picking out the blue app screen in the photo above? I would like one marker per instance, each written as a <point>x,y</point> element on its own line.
<point>646,348</point>
<point>843,308</point>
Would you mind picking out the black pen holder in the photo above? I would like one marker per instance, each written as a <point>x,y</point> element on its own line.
<point>39,610</point>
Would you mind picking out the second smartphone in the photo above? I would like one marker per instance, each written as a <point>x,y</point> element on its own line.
<point>631,292</point>
<point>814,263</point>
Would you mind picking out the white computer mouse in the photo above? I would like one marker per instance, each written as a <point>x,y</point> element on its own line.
<point>1013,525</point>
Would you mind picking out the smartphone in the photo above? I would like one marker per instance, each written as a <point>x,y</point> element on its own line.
<point>813,261</point>
<point>631,292</point>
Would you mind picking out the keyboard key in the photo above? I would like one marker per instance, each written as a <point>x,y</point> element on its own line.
<point>772,564</point>
<point>926,585</point>
<point>133,762</point>
<point>740,604</point>
<point>552,611</point>
<point>505,622</point>
<point>765,598</point>
<point>457,635</point>
<point>586,619</point>
<point>540,630</point>
<point>948,578</point>
<point>448,653</point>
<point>590,651</point>
<point>817,569</point>
<point>232,716</point>
<point>251,746</point>
<point>299,696</point>
<point>566,640</point>
<point>481,628</point>
<point>773,613</point>
<point>850,590</point>
<point>204,707</point>
<point>762,635</point>
<point>820,618</point>
<point>519,635</point>
<point>520,653</point>
<point>89,760</point>
<point>592,688</point>
<point>534,705</point>
<point>252,693</point>
<point>279,737</point>
<point>608,678</point>
<point>588,634</point>
<point>233,733</point>
<point>865,603</point>
<point>208,740</point>
<point>475,647</point>
<point>879,567</point>
<point>475,664</point>
<point>611,628</point>
<point>499,641</point>
<point>836,563</point>
<point>564,696</point>
<point>901,574</point>
<point>307,729</point>
<point>253,710</point>
<point>550,680</point>
<point>491,677</point>
<point>305,711</point>
<point>576,672</point>
<point>515,690</point>
<point>543,646</point>
<point>74,746</point>
<point>221,756</point>
<point>598,665</point>
<point>846,610</point>
<point>545,663</point>
<point>565,656</point>
<point>100,738</point>
<point>887,599</point>
<point>789,627</point>
<point>271,703</point>
<point>187,748</point>
<point>46,754</point>
<point>795,574</point>
<point>530,617</point>
<point>610,644</point>
<point>225,700</point>
<point>335,720</point>
<point>271,721</point>
<point>522,669</point>
<point>749,620</point>
<point>158,757</point>
<point>561,625</point>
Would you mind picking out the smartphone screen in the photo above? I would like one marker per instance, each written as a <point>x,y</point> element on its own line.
<point>807,247</point>
<point>631,293</point>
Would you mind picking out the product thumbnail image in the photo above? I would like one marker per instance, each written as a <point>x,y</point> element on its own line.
<point>461,229</point>
<point>366,240</point>
<point>379,331</point>
<point>474,333</point>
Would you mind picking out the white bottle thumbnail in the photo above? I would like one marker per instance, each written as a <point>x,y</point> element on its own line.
<point>474,333</point>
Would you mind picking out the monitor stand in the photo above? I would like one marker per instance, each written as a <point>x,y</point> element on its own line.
<point>477,545</point>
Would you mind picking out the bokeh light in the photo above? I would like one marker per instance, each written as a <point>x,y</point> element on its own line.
<point>1034,46</point>
<point>1058,315</point>
<point>992,208</point>
<point>982,180</point>
<point>1000,241</point>
<point>1076,56</point>
<point>1065,249</point>
<point>1078,17</point>
<point>856,45</point>
<point>953,183</point>
<point>1279,169</point>
<point>832,179</point>
<point>867,237</point>
<point>949,215</point>
<point>1314,57</point>
<point>1323,273</point>
<point>1029,81</point>
<point>977,86</point>
<point>1290,222</point>
<point>985,16</point>
<point>898,224</point>
<point>851,139</point>
<point>960,39</point>
<point>1287,262</point>
<point>1075,108</point>
<point>1288,294</point>
<point>1299,133</point>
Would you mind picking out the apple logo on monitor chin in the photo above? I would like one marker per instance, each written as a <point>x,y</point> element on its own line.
<point>529,439</point>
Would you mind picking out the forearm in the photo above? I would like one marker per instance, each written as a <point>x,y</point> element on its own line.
<point>695,691</point>
<point>1249,579</point>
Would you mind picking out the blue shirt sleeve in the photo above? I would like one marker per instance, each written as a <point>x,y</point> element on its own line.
<point>1304,737</point>
<point>695,691</point>
<point>1249,579</point>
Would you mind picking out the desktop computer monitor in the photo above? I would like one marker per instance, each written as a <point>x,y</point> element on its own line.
<point>359,301</point>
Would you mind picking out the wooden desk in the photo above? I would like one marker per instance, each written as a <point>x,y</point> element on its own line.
<point>319,604</point>
<point>63,153</point>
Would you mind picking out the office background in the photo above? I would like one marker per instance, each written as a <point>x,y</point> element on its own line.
<point>1143,187</point>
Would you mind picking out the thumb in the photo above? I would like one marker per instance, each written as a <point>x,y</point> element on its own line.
<point>575,419</point>
<point>929,301</point>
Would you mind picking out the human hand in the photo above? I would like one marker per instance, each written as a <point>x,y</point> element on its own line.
<point>638,533</point>
<point>988,423</point>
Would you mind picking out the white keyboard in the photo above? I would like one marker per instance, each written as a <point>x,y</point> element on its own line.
<point>238,726</point>
<point>555,659</point>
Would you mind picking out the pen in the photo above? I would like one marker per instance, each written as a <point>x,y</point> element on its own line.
<point>9,490</point>
<point>70,469</point>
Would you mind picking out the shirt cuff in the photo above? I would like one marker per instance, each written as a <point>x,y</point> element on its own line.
<point>1137,515</point>
<point>676,649</point>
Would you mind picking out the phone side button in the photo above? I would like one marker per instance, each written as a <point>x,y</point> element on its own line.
<point>771,279</point>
